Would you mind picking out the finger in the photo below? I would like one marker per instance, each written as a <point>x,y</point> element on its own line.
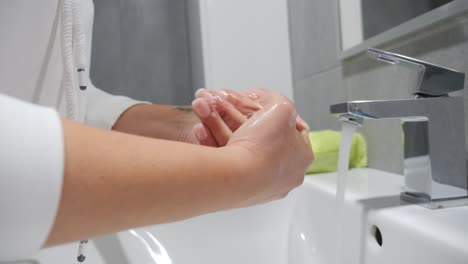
<point>199,92</point>
<point>258,95</point>
<point>261,96</point>
<point>212,121</point>
<point>255,93</point>
<point>242,103</point>
<point>230,115</point>
<point>301,124</point>
<point>204,136</point>
<point>252,94</point>
<point>202,93</point>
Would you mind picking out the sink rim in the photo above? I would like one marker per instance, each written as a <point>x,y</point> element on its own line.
<point>447,226</point>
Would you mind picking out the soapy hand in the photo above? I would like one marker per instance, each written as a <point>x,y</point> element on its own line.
<point>263,131</point>
<point>223,111</point>
<point>273,151</point>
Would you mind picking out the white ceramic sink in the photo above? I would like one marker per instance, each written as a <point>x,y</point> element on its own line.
<point>301,229</point>
<point>407,233</point>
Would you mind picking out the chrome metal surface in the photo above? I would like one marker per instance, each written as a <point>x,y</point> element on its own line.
<point>351,119</point>
<point>434,134</point>
<point>433,80</point>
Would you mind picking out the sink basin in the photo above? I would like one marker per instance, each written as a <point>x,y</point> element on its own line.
<point>377,227</point>
<point>301,229</point>
<point>251,235</point>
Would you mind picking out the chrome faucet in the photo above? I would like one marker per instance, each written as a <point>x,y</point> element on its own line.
<point>434,132</point>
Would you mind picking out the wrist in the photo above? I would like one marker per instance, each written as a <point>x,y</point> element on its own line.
<point>130,118</point>
<point>158,121</point>
<point>241,175</point>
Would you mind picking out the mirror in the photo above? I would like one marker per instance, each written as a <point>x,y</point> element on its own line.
<point>362,20</point>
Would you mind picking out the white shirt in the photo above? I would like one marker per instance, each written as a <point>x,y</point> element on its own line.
<point>31,144</point>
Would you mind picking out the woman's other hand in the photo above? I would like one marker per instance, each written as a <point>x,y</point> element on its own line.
<point>222,112</point>
<point>273,149</point>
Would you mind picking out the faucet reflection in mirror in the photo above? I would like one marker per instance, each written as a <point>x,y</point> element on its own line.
<point>433,130</point>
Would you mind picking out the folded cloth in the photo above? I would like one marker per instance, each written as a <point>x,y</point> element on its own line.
<point>326,147</point>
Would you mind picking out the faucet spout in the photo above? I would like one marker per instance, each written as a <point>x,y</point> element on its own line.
<point>434,131</point>
<point>433,80</point>
<point>434,144</point>
<point>385,109</point>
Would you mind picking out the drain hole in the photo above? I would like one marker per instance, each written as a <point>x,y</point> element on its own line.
<point>377,235</point>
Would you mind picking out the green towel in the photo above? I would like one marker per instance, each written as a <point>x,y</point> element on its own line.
<point>326,146</point>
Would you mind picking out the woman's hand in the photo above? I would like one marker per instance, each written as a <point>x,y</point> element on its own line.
<point>215,115</point>
<point>222,112</point>
<point>115,181</point>
<point>274,150</point>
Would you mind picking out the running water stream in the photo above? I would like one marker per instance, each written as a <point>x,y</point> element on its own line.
<point>348,129</point>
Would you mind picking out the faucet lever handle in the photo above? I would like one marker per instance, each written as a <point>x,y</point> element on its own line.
<point>433,80</point>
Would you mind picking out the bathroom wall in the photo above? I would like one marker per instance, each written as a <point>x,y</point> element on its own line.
<point>244,44</point>
<point>379,16</point>
<point>317,70</point>
<point>322,79</point>
<point>163,50</point>
<point>141,49</point>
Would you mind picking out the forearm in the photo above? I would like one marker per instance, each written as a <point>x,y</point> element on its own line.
<point>157,121</point>
<point>114,181</point>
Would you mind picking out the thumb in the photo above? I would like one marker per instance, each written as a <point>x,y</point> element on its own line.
<point>278,112</point>
<point>277,118</point>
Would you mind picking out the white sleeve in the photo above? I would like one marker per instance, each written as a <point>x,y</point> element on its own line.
<point>103,109</point>
<point>31,173</point>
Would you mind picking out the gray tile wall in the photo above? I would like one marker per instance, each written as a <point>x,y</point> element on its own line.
<point>141,49</point>
<point>314,35</point>
<point>395,13</point>
<point>320,79</point>
<point>316,68</point>
<point>314,95</point>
